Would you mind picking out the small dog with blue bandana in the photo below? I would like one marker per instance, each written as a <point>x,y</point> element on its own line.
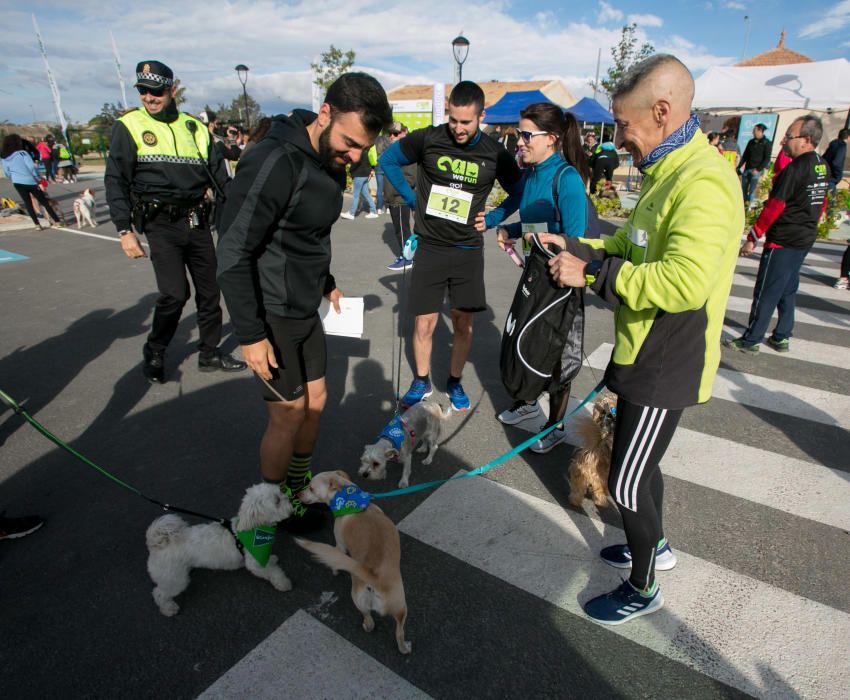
<point>419,428</point>
<point>367,547</point>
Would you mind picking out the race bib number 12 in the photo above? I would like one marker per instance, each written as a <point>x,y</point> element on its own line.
<point>449,203</point>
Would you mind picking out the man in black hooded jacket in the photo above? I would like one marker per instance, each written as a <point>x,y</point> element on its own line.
<point>274,256</point>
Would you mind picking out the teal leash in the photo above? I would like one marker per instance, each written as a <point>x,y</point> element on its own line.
<point>500,459</point>
<point>17,408</point>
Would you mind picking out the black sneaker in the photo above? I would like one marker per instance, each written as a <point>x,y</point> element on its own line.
<point>13,528</point>
<point>217,360</point>
<point>304,518</point>
<point>154,365</point>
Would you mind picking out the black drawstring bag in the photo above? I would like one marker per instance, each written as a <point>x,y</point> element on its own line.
<point>544,333</point>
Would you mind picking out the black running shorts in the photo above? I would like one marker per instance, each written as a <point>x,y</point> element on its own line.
<point>299,346</point>
<point>437,267</point>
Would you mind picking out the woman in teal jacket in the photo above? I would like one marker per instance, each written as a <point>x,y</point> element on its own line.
<point>550,147</point>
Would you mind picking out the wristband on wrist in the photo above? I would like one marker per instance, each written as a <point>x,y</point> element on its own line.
<point>591,271</point>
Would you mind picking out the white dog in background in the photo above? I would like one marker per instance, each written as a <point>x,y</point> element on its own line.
<point>84,206</point>
<point>176,548</point>
<point>420,426</point>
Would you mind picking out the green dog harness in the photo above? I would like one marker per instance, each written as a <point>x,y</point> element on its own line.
<point>258,541</point>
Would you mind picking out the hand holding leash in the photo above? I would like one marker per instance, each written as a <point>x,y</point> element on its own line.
<point>260,356</point>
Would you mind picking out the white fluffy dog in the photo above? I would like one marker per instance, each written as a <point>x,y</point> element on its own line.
<point>420,425</point>
<point>176,548</point>
<point>84,208</point>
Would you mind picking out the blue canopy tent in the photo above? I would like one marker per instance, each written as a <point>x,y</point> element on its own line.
<point>507,109</point>
<point>589,110</point>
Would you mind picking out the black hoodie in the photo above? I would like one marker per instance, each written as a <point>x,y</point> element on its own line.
<point>274,248</point>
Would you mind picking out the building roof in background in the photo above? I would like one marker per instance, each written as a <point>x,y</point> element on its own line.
<point>779,56</point>
<point>494,90</point>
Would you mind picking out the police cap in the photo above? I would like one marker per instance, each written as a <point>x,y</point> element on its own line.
<point>153,74</point>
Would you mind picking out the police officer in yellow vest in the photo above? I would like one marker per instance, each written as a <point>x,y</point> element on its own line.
<point>161,163</point>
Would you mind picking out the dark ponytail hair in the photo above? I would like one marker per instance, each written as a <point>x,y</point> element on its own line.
<point>549,117</point>
<point>571,147</point>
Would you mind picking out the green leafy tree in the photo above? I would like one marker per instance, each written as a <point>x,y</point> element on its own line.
<point>625,54</point>
<point>180,95</point>
<point>234,113</point>
<point>107,116</point>
<point>332,64</point>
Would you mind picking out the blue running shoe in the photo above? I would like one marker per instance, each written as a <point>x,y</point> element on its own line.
<point>620,557</point>
<point>399,264</point>
<point>418,390</point>
<point>457,396</point>
<point>622,604</point>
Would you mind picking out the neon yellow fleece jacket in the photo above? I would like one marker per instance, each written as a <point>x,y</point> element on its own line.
<point>669,271</point>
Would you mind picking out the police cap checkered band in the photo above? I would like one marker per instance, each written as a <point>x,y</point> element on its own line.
<point>154,74</point>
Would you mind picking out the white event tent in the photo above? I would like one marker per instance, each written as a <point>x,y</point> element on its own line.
<point>817,86</point>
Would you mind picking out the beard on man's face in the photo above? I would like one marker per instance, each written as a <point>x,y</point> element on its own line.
<point>327,155</point>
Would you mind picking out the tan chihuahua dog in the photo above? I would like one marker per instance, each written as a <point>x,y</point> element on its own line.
<point>367,547</point>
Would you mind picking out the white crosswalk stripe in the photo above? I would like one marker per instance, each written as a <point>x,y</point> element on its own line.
<point>551,553</point>
<point>806,289</point>
<point>750,634</point>
<point>825,407</point>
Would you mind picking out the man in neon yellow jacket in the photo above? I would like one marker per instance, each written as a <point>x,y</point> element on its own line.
<point>668,272</point>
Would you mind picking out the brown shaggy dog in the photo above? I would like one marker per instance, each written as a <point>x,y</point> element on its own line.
<point>591,463</point>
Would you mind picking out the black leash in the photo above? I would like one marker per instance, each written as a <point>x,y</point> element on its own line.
<point>21,411</point>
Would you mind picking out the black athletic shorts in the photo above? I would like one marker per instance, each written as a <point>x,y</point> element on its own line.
<point>299,346</point>
<point>438,267</point>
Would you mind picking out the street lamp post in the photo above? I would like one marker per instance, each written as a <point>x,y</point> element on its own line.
<point>242,72</point>
<point>460,48</point>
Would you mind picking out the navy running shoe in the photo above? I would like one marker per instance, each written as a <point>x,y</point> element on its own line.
<point>620,556</point>
<point>457,396</point>
<point>622,604</point>
<point>399,264</point>
<point>418,390</point>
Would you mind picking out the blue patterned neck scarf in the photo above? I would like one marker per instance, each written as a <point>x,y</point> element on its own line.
<point>351,499</point>
<point>677,139</point>
<point>395,430</point>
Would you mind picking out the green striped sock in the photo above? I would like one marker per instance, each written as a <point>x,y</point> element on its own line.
<point>299,474</point>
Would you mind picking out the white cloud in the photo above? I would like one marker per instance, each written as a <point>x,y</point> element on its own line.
<point>646,20</point>
<point>696,58</point>
<point>608,13</point>
<point>734,5</point>
<point>835,19</point>
<point>278,39</point>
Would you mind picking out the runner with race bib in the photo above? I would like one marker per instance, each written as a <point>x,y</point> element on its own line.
<point>458,167</point>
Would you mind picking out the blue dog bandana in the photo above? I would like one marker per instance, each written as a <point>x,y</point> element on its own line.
<point>351,499</point>
<point>677,139</point>
<point>395,430</point>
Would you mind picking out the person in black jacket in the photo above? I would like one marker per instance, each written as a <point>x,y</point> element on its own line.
<point>834,157</point>
<point>274,255</point>
<point>157,174</point>
<point>754,162</point>
<point>789,223</point>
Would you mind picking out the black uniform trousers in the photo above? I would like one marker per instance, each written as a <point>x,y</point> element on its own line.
<point>175,247</point>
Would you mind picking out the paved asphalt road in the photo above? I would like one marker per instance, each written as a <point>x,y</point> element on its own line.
<point>495,568</point>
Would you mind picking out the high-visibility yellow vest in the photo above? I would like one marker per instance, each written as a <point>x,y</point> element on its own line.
<point>161,142</point>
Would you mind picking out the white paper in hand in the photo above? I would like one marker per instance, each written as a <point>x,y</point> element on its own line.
<point>349,322</point>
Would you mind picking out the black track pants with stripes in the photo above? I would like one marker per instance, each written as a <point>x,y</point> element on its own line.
<point>641,437</point>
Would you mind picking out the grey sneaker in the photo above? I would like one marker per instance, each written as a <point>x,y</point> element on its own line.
<point>519,412</point>
<point>556,437</point>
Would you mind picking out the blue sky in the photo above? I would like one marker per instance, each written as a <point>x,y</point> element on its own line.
<point>401,42</point>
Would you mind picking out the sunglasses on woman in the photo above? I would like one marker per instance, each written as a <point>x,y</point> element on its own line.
<point>526,135</point>
<point>156,92</point>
